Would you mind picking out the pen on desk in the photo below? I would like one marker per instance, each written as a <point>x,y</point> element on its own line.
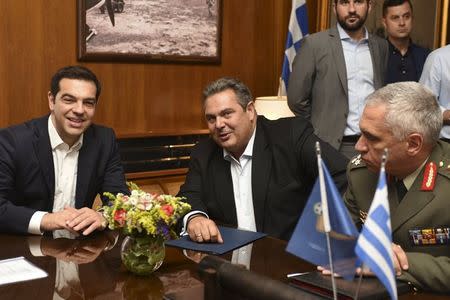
<point>296,274</point>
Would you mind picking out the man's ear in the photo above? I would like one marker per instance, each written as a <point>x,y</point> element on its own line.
<point>415,143</point>
<point>51,100</point>
<point>251,109</point>
<point>383,21</point>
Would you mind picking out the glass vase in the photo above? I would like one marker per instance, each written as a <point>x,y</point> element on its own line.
<point>142,255</point>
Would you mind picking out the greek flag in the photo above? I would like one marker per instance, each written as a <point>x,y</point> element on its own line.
<point>374,245</point>
<point>298,28</point>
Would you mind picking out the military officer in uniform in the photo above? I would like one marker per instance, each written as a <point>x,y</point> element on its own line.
<point>406,119</point>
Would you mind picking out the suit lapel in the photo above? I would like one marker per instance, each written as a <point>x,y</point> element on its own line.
<point>44,154</point>
<point>86,163</point>
<point>339,59</point>
<point>261,166</point>
<point>221,174</point>
<point>413,203</point>
<point>375,54</point>
<point>416,199</point>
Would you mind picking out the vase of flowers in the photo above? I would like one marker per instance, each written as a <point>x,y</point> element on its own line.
<point>142,254</point>
<point>147,220</point>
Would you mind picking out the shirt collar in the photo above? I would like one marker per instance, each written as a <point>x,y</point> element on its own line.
<point>55,139</point>
<point>409,180</point>
<point>248,152</point>
<point>344,35</point>
<point>393,48</point>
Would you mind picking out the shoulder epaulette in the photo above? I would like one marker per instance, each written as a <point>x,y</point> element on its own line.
<point>356,162</point>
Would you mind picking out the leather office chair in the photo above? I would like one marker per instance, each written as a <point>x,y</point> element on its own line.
<point>224,280</point>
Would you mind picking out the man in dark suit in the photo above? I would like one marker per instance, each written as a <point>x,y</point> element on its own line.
<point>252,173</point>
<point>406,59</point>
<point>405,118</point>
<point>333,72</point>
<point>52,168</point>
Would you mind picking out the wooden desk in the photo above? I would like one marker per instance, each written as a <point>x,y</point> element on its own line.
<point>102,276</point>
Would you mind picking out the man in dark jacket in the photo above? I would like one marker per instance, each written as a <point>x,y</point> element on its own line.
<point>252,173</point>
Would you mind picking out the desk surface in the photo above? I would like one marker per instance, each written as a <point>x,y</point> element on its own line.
<point>102,276</point>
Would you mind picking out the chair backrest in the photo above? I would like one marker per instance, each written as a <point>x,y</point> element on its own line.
<point>224,280</point>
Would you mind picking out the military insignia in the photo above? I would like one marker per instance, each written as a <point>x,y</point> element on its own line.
<point>429,177</point>
<point>429,236</point>
<point>356,160</point>
<point>362,216</point>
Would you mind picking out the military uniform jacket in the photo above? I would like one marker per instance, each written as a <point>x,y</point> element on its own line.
<point>429,265</point>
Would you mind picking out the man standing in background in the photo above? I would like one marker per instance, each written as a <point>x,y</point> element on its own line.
<point>436,77</point>
<point>406,59</point>
<point>333,72</point>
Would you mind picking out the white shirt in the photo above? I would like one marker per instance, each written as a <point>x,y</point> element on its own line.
<point>436,77</point>
<point>358,63</point>
<point>65,164</point>
<point>241,175</point>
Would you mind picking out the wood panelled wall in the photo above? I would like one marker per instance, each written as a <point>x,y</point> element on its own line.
<point>39,36</point>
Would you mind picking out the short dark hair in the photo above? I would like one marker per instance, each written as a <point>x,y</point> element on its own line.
<point>391,3</point>
<point>74,72</point>
<point>244,96</point>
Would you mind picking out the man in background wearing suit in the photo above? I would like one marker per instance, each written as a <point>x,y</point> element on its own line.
<point>406,59</point>
<point>252,173</point>
<point>334,71</point>
<point>52,168</point>
<point>405,118</point>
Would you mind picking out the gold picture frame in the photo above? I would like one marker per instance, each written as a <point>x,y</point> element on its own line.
<point>150,31</point>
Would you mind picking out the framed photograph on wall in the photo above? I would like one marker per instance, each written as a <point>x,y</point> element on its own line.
<point>150,30</point>
<point>429,27</point>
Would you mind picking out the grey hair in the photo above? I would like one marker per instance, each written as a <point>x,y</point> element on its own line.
<point>244,96</point>
<point>410,108</point>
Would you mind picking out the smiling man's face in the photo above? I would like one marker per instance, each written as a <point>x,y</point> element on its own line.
<point>73,108</point>
<point>231,126</point>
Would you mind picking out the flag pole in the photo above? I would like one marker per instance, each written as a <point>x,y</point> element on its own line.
<point>384,158</point>
<point>325,217</point>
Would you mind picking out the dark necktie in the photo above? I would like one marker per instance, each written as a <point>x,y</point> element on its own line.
<point>401,189</point>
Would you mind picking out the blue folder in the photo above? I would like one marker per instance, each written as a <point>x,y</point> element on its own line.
<point>232,239</point>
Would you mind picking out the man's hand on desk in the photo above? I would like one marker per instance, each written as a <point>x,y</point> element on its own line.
<point>202,229</point>
<point>85,219</point>
<point>400,264</point>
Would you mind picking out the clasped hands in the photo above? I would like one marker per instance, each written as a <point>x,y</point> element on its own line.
<point>203,230</point>
<point>84,220</point>
<point>400,263</point>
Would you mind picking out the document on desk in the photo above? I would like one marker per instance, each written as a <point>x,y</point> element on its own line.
<point>19,269</point>
<point>232,239</point>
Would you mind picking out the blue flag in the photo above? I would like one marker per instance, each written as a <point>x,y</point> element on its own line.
<point>374,246</point>
<point>309,241</point>
<point>298,28</point>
